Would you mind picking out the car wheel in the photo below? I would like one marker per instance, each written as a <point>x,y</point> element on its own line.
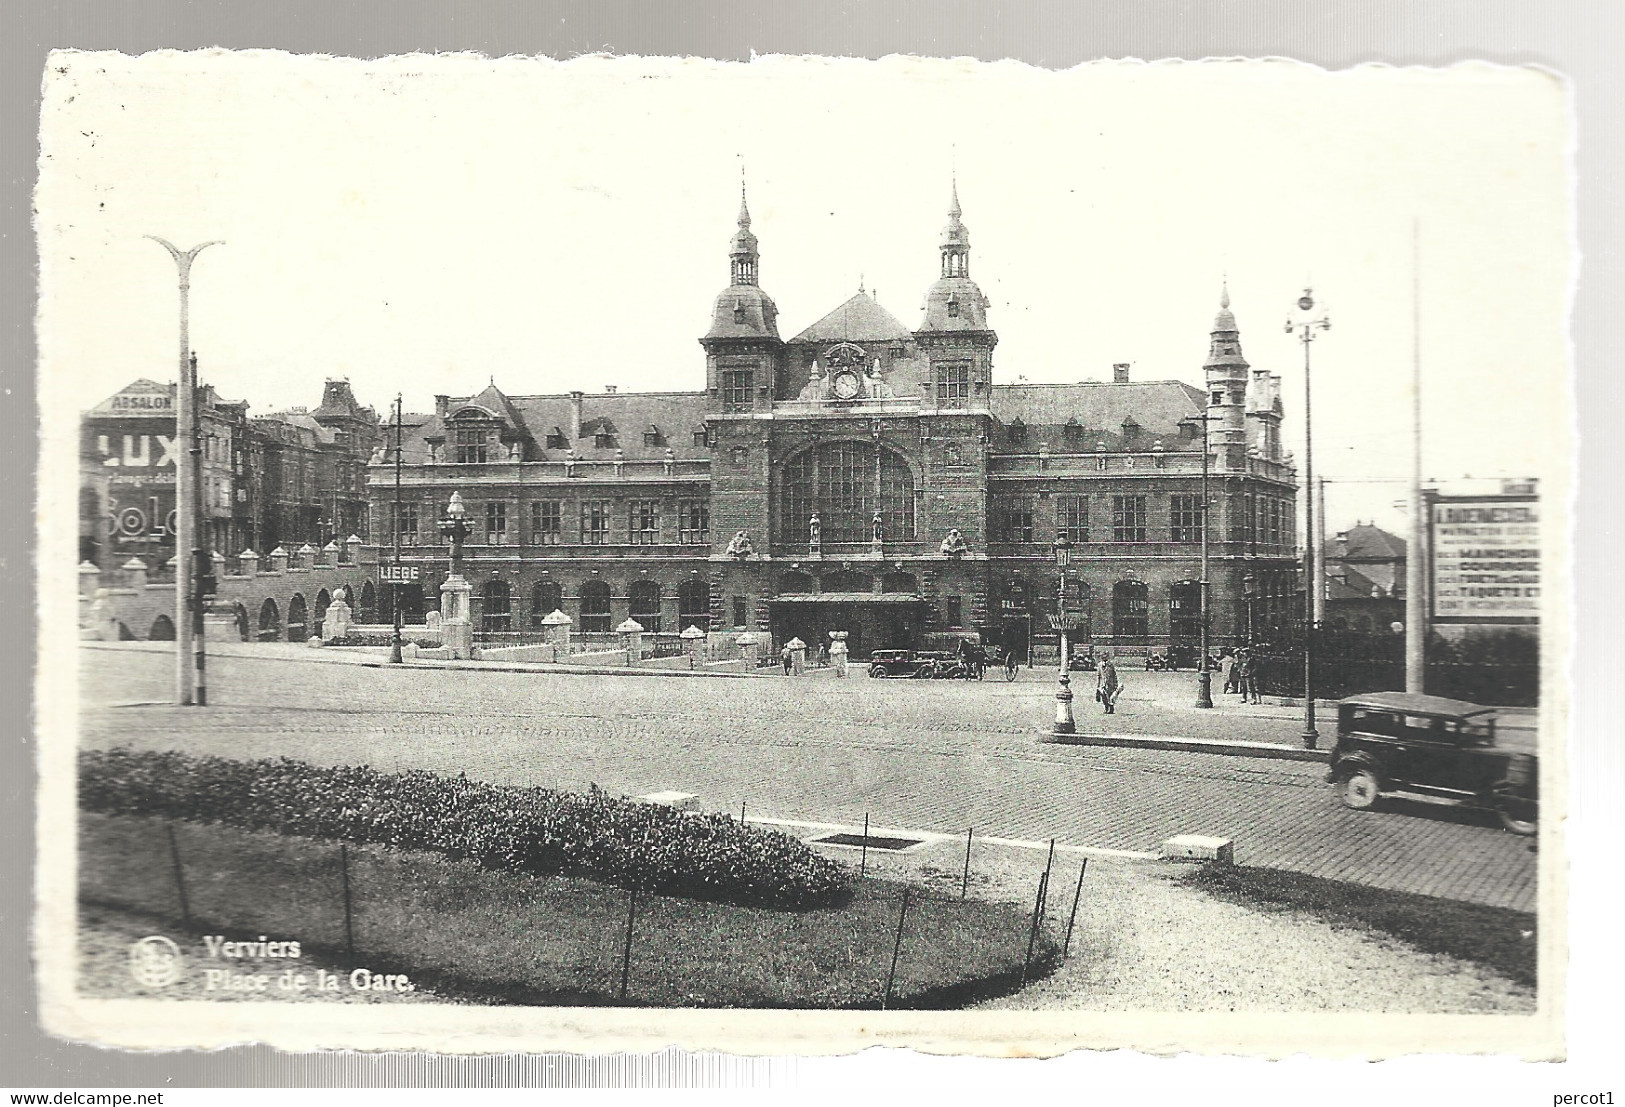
<point>878,672</point>
<point>1360,790</point>
<point>1518,815</point>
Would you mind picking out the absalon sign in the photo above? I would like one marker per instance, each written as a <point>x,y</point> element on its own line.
<point>1486,559</point>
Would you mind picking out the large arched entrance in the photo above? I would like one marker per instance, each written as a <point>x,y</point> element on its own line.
<point>847,485</point>
<point>270,622</point>
<point>297,615</point>
<point>163,630</point>
<point>323,601</point>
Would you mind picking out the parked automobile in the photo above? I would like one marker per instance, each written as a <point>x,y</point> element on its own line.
<point>1082,661</point>
<point>1428,745</point>
<point>893,663</point>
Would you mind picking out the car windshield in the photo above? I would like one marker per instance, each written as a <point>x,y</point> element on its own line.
<point>1476,730</point>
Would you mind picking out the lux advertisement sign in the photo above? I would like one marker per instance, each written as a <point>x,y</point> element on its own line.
<point>155,454</point>
<point>1486,560</point>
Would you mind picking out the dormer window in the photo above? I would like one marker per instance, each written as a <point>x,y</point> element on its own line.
<point>471,445</point>
<point>1018,430</point>
<point>603,439</point>
<point>651,436</point>
<point>739,311</point>
<point>1131,429</point>
<point>953,306</point>
<point>1218,396</point>
<point>1073,431</point>
<point>555,439</point>
<point>700,436</point>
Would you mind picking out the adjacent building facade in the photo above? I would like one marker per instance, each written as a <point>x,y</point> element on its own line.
<point>865,477</point>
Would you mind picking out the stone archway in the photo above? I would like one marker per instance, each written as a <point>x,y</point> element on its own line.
<point>270,622</point>
<point>163,630</point>
<point>298,613</point>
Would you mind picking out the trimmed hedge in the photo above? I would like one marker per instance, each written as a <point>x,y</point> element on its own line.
<point>353,639</point>
<point>534,830</point>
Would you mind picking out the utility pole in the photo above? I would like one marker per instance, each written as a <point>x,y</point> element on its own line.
<point>1304,327</point>
<point>1416,549</point>
<point>1204,678</point>
<point>395,587</point>
<point>190,685</point>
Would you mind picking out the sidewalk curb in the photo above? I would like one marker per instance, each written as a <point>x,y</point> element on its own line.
<point>1267,750</point>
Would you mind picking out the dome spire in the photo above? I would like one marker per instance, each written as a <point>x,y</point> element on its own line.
<point>955,242</point>
<point>742,254</point>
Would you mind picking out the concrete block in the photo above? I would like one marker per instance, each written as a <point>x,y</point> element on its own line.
<point>679,801</point>
<point>1199,847</point>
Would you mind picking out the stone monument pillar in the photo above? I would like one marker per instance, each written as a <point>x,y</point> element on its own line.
<point>556,633</point>
<point>694,645</point>
<point>837,652</point>
<point>456,624</point>
<point>337,622</point>
<point>750,649</point>
<point>798,656</point>
<point>631,633</point>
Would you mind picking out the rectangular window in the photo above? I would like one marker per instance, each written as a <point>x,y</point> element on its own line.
<point>739,611</point>
<point>1128,518</point>
<point>737,386</point>
<point>953,384</point>
<point>643,522</point>
<point>1184,518</point>
<point>1072,517</point>
<point>496,522</point>
<point>406,523</point>
<point>693,522</point>
<point>547,522</point>
<point>956,615</point>
<point>555,439</point>
<point>595,523</point>
<point>1017,523</point>
<point>470,446</point>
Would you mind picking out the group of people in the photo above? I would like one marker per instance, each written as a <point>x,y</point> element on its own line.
<point>787,658</point>
<point>1240,671</point>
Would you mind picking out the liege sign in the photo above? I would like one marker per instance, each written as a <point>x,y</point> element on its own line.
<point>1486,560</point>
<point>397,574</point>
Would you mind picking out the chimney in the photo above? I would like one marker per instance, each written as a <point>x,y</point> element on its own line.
<point>1120,372</point>
<point>609,388</point>
<point>442,405</point>
<point>575,416</point>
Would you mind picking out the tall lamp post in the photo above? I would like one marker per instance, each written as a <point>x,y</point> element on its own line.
<point>191,560</point>
<point>1204,677</point>
<point>1304,323</point>
<point>1064,722</point>
<point>395,584</point>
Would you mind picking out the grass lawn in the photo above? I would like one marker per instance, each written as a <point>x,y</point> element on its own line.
<point>1498,938</point>
<point>496,936</point>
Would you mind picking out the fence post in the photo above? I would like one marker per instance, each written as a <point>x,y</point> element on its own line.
<point>349,928</point>
<point>964,881</point>
<point>863,858</point>
<point>626,953</point>
<point>180,880</point>
<point>1032,933</point>
<point>897,944</point>
<point>1066,950</point>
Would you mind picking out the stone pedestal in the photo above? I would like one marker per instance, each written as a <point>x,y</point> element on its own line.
<point>837,652</point>
<point>798,656</point>
<point>631,633</point>
<point>338,620</point>
<point>456,625</point>
<point>694,645</point>
<point>556,632</point>
<point>101,624</point>
<point>750,649</point>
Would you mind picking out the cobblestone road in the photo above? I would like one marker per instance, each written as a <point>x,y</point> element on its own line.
<point>937,756</point>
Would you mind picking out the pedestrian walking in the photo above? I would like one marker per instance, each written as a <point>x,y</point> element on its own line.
<point>1107,687</point>
<point>1227,667</point>
<point>1247,676</point>
<point>823,655</point>
<point>787,659</point>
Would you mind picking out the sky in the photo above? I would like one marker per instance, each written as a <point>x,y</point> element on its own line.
<point>428,224</point>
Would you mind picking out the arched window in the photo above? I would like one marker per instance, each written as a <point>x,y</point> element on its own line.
<point>594,608</point>
<point>1185,610</point>
<point>845,483</point>
<point>694,604</point>
<point>899,582</point>
<point>369,604</point>
<point>270,622</point>
<point>296,618</point>
<point>1130,610</point>
<point>545,598</point>
<point>496,615</point>
<point>644,605</point>
<point>847,580</point>
<point>795,584</point>
<point>163,630</point>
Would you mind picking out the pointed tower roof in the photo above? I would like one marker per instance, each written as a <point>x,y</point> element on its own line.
<point>743,310</point>
<point>744,242</point>
<point>861,319</point>
<point>1225,348</point>
<point>954,303</point>
<point>954,233</point>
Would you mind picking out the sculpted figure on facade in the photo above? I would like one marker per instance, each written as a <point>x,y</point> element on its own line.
<point>814,532</point>
<point>954,545</point>
<point>878,526</point>
<point>876,385</point>
<point>740,545</point>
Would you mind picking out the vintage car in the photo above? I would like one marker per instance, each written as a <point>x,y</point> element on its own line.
<point>1432,746</point>
<point>893,663</point>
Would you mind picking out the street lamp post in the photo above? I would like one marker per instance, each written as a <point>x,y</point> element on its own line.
<point>455,527</point>
<point>1304,324</point>
<point>1064,722</point>
<point>191,559</point>
<point>395,584</point>
<point>1204,678</point>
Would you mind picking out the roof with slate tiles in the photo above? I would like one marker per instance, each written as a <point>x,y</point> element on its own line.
<point>861,319</point>
<point>1100,408</point>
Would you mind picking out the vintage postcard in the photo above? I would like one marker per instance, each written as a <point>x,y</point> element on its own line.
<point>798,555</point>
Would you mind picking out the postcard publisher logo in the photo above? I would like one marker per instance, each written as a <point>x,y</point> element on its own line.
<point>155,961</point>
